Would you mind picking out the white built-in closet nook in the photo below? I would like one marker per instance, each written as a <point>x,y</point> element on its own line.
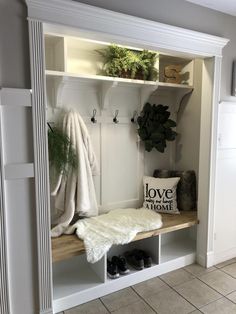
<point>64,37</point>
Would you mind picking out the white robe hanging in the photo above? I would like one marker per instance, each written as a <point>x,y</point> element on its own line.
<point>75,193</point>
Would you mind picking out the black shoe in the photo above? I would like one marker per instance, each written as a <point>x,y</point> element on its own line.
<point>121,263</point>
<point>135,260</point>
<point>146,257</point>
<point>112,270</point>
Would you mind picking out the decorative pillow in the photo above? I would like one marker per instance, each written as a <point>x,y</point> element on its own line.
<point>186,188</point>
<point>160,194</point>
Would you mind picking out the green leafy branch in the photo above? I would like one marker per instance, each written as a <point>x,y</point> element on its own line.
<point>155,127</point>
<point>62,155</point>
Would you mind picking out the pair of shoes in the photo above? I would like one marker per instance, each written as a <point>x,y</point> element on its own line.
<point>117,266</point>
<point>138,259</point>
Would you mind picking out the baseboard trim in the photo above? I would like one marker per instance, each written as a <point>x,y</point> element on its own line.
<point>224,256</point>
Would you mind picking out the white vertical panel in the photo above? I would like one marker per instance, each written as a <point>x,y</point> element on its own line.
<point>227,126</point>
<point>4,276</point>
<point>225,204</point>
<point>122,166</point>
<point>225,200</point>
<point>41,165</point>
<point>17,201</point>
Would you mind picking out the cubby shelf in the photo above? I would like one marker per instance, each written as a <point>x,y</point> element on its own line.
<point>106,83</point>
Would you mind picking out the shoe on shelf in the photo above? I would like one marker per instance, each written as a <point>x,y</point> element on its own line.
<point>121,263</point>
<point>135,260</point>
<point>146,257</point>
<point>112,270</point>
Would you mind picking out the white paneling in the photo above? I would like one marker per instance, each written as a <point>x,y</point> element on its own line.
<point>21,244</point>
<point>82,97</point>
<point>225,201</point>
<point>227,125</point>
<point>17,134</point>
<point>19,171</point>
<point>95,134</point>
<point>16,97</point>
<point>126,99</point>
<point>121,164</point>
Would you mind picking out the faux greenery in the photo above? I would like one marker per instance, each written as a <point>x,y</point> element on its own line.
<point>126,63</point>
<point>62,156</point>
<point>155,127</point>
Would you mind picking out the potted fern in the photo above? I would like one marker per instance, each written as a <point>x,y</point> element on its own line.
<point>123,62</point>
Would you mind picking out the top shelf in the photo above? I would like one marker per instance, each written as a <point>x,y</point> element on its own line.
<point>121,81</point>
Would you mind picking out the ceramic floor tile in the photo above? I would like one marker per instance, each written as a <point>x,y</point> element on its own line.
<point>176,277</point>
<point>230,269</point>
<point>221,306</point>
<point>168,301</point>
<point>197,293</point>
<point>139,307</point>
<point>91,307</point>
<point>220,281</point>
<point>198,270</point>
<point>116,300</point>
<point>232,296</point>
<point>149,287</point>
<point>223,264</point>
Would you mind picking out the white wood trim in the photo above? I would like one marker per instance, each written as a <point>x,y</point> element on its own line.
<point>41,166</point>
<point>4,278</point>
<point>213,158</point>
<point>121,283</point>
<point>76,19</point>
<point>125,27</point>
<point>19,171</point>
<point>15,97</point>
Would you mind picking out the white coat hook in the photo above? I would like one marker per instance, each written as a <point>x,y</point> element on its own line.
<point>134,116</point>
<point>115,120</point>
<point>94,115</point>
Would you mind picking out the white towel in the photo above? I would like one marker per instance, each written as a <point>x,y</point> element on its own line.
<point>119,226</point>
<point>75,193</point>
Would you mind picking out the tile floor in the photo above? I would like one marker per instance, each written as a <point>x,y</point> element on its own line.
<point>192,289</point>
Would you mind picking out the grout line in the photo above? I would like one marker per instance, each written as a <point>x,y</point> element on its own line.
<point>226,273</point>
<point>104,305</point>
<point>178,292</point>
<point>212,287</point>
<point>232,262</point>
<point>143,299</point>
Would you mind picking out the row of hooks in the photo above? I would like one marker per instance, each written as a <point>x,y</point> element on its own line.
<point>115,119</point>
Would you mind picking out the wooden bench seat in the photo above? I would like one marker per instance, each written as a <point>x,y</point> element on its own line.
<point>68,246</point>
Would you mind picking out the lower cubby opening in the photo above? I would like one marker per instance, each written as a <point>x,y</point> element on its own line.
<point>76,275</point>
<point>149,245</point>
<point>178,244</point>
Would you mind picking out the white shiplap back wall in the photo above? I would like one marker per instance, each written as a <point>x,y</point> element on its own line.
<point>119,152</point>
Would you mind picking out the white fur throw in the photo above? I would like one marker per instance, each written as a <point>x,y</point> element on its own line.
<point>119,226</point>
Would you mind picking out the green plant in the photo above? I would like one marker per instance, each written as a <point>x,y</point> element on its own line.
<point>155,127</point>
<point>62,156</point>
<point>123,62</point>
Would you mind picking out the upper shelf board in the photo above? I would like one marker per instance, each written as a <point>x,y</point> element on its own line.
<point>107,83</point>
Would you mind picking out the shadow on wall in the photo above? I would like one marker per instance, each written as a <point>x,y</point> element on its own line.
<point>14,44</point>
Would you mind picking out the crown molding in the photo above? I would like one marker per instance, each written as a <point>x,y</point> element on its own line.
<point>125,27</point>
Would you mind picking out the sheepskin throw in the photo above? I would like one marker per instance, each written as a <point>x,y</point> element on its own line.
<point>119,226</point>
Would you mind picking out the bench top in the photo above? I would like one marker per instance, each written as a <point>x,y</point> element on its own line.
<point>67,246</point>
